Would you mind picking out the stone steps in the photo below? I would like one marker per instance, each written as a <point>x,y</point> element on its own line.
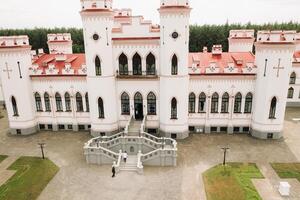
<point>130,165</point>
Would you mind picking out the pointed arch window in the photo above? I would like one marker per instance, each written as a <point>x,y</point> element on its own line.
<point>123,64</point>
<point>100,108</point>
<point>273,106</point>
<point>202,103</point>
<point>238,103</point>
<point>248,103</point>
<point>38,102</point>
<point>293,78</point>
<point>225,103</point>
<point>174,66</point>
<point>14,106</point>
<point>192,103</point>
<point>79,102</point>
<point>98,66</point>
<point>47,102</point>
<point>58,101</point>
<point>67,102</point>
<point>215,103</point>
<point>174,109</point>
<point>125,104</point>
<point>87,102</point>
<point>150,64</point>
<point>151,103</point>
<point>291,93</point>
<point>137,64</point>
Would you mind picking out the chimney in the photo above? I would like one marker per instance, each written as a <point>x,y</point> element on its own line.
<point>217,49</point>
<point>205,50</point>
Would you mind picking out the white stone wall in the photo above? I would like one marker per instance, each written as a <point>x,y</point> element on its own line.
<point>1,93</point>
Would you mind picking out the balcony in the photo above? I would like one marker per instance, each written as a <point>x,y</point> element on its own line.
<point>136,74</point>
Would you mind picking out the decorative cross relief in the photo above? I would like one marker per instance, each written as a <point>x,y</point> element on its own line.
<point>7,70</point>
<point>278,67</point>
<point>231,68</point>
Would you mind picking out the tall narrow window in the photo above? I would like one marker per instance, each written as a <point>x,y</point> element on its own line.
<point>174,70</point>
<point>68,102</point>
<point>123,64</point>
<point>273,105</point>
<point>47,102</point>
<point>192,103</point>
<point>101,108</point>
<point>225,103</point>
<point>215,103</point>
<point>87,102</point>
<point>291,93</point>
<point>98,66</point>
<point>238,103</point>
<point>248,103</point>
<point>150,64</point>
<point>202,103</point>
<point>59,107</point>
<point>137,64</point>
<point>125,104</point>
<point>174,109</point>
<point>38,102</point>
<point>14,106</point>
<point>151,103</point>
<point>293,78</point>
<point>79,102</point>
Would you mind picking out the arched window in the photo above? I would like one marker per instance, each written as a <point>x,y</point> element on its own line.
<point>137,64</point>
<point>47,102</point>
<point>225,103</point>
<point>215,103</point>
<point>293,78</point>
<point>202,102</point>
<point>248,103</point>
<point>238,103</point>
<point>125,104</point>
<point>291,93</point>
<point>273,105</point>
<point>98,66</point>
<point>67,102</point>
<point>123,64</point>
<point>58,101</point>
<point>87,102</point>
<point>150,64</point>
<point>151,103</point>
<point>79,102</point>
<point>38,102</point>
<point>14,106</point>
<point>174,70</point>
<point>174,109</point>
<point>192,103</point>
<point>100,108</point>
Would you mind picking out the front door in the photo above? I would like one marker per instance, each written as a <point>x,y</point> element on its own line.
<point>138,109</point>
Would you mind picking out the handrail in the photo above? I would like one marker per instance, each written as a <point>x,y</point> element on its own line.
<point>127,125</point>
<point>143,125</point>
<point>104,150</point>
<point>139,162</point>
<point>117,166</point>
<point>173,142</point>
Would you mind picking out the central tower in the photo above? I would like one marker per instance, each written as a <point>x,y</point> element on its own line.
<point>174,78</point>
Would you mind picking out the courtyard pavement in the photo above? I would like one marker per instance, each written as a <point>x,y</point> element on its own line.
<point>78,181</point>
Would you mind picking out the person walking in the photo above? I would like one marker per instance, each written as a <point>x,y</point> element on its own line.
<point>125,155</point>
<point>113,170</point>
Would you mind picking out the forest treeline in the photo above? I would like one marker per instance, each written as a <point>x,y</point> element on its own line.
<point>200,36</point>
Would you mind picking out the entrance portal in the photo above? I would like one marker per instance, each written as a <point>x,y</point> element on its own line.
<point>138,106</point>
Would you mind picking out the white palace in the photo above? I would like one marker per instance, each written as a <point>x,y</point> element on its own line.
<point>134,72</point>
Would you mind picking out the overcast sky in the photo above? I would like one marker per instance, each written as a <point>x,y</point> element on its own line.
<point>65,13</point>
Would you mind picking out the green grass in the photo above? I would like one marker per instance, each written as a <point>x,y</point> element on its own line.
<point>31,177</point>
<point>287,170</point>
<point>232,182</point>
<point>2,157</point>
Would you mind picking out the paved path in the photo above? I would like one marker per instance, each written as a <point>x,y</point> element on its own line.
<point>4,173</point>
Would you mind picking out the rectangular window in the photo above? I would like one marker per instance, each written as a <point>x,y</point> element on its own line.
<point>173,135</point>
<point>42,126</point>
<point>152,131</point>
<point>191,128</point>
<point>246,129</point>
<point>19,132</point>
<point>102,134</point>
<point>89,126</point>
<point>236,129</point>
<point>70,127</point>
<point>224,129</point>
<point>61,127</point>
<point>50,127</point>
<point>81,127</point>
<point>270,136</point>
<point>213,129</point>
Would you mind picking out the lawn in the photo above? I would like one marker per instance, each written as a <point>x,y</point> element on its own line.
<point>2,157</point>
<point>31,177</point>
<point>232,182</point>
<point>287,170</point>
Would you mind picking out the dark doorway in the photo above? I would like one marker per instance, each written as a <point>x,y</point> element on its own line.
<point>138,106</point>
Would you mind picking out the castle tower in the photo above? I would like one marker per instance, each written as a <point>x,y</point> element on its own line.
<point>241,40</point>
<point>98,18</point>
<point>60,43</point>
<point>15,60</point>
<point>174,78</point>
<point>274,51</point>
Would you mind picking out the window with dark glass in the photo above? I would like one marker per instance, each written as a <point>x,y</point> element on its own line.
<point>151,103</point>
<point>293,78</point>
<point>150,64</point>
<point>238,103</point>
<point>47,102</point>
<point>38,102</point>
<point>225,103</point>
<point>101,108</point>
<point>58,100</point>
<point>202,102</point>
<point>137,64</point>
<point>87,102</point>
<point>248,103</point>
<point>68,102</point>
<point>192,103</point>
<point>174,109</point>
<point>214,103</point>
<point>273,105</point>
<point>14,106</point>
<point>174,70</point>
<point>291,93</point>
<point>98,66</point>
<point>123,64</point>
<point>79,102</point>
<point>125,104</point>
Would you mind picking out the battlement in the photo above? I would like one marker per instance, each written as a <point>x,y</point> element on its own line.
<point>241,34</point>
<point>59,37</point>
<point>14,41</point>
<point>96,4</point>
<point>122,12</point>
<point>217,49</point>
<point>276,37</point>
<point>174,3</point>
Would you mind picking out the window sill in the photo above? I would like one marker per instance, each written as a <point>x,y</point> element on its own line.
<point>15,115</point>
<point>125,114</point>
<point>68,111</point>
<point>247,112</point>
<point>48,111</point>
<point>174,118</point>
<point>101,118</point>
<point>272,117</point>
<point>214,112</point>
<point>224,112</point>
<point>151,114</point>
<point>201,112</point>
<point>39,111</point>
<point>59,111</point>
<point>237,113</point>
